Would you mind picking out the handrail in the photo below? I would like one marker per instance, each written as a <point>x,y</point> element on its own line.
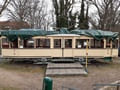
<point>68,88</point>
<point>97,86</point>
<point>106,85</point>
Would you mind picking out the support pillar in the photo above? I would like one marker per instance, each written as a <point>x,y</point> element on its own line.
<point>18,42</point>
<point>35,43</point>
<point>73,43</point>
<point>111,44</point>
<point>1,41</point>
<point>89,43</point>
<point>51,43</point>
<point>104,43</point>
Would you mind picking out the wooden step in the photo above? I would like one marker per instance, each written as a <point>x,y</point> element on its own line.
<point>64,66</point>
<point>64,72</point>
<point>65,69</point>
<point>63,60</point>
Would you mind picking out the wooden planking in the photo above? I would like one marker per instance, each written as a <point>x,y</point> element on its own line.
<point>63,69</point>
<point>64,66</point>
<point>64,72</point>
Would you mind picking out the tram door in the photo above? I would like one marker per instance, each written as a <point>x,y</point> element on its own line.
<point>62,46</point>
<point>66,46</point>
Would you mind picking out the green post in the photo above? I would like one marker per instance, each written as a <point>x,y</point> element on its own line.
<point>47,83</point>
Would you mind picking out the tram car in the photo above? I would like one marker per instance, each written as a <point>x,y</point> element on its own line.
<point>35,43</point>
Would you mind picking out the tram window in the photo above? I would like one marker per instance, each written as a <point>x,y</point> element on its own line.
<point>57,43</point>
<point>26,43</point>
<point>30,43</point>
<point>108,43</point>
<point>68,43</point>
<point>97,43</point>
<point>43,43</point>
<point>21,44</point>
<point>115,43</point>
<point>81,43</point>
<point>14,44</point>
<point>5,43</point>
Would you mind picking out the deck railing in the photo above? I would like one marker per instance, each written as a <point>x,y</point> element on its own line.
<point>68,88</point>
<point>106,86</point>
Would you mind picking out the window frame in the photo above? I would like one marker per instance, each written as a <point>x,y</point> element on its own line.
<point>42,43</point>
<point>59,46</point>
<point>69,46</point>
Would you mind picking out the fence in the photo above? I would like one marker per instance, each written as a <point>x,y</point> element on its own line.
<point>68,88</point>
<point>107,86</point>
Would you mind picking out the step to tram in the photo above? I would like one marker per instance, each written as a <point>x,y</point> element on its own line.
<point>62,60</point>
<point>65,69</point>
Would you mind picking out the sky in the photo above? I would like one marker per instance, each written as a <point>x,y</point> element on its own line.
<point>49,6</point>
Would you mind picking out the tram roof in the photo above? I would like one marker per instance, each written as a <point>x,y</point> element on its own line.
<point>28,33</point>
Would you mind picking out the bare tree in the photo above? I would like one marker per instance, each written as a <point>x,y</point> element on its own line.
<point>37,13</point>
<point>18,10</point>
<point>32,11</point>
<point>62,9</point>
<point>107,15</point>
<point>67,17</point>
<point>4,5</point>
<point>83,17</point>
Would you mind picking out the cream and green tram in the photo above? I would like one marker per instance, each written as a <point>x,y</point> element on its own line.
<point>23,44</point>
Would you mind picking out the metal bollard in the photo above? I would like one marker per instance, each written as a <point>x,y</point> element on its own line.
<point>47,83</point>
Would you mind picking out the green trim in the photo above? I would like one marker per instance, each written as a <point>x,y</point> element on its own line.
<point>108,58</point>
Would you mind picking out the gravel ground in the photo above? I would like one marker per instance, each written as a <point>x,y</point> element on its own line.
<point>30,77</point>
<point>98,74</point>
<point>21,77</point>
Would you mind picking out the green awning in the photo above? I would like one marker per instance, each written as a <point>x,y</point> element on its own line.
<point>24,34</point>
<point>97,34</point>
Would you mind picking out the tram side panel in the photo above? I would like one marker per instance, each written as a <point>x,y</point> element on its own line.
<point>114,52</point>
<point>90,52</point>
<point>31,52</point>
<point>59,52</point>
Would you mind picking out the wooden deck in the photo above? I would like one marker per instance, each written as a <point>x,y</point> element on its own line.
<point>63,69</point>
